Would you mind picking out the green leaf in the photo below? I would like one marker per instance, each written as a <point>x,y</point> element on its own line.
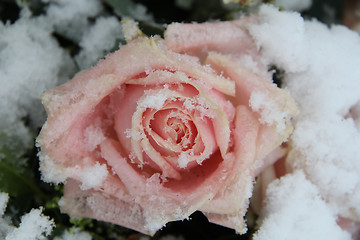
<point>122,8</point>
<point>16,177</point>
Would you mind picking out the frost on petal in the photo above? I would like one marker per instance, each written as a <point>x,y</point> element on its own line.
<point>93,136</point>
<point>93,176</point>
<point>155,101</point>
<point>199,39</point>
<point>90,203</point>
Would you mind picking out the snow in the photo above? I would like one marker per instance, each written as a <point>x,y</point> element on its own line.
<point>34,225</point>
<point>50,171</point>
<point>295,210</point>
<point>93,136</point>
<point>22,44</point>
<point>154,99</point>
<point>4,198</point>
<point>287,35</point>
<point>322,73</point>
<point>93,176</point>
<point>184,159</point>
<point>271,112</point>
<point>200,104</point>
<point>130,29</point>
<point>72,18</point>
<point>99,40</point>
<point>5,224</point>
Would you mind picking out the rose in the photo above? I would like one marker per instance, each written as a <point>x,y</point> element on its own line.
<point>160,129</point>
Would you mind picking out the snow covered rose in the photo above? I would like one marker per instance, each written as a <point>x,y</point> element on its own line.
<point>162,128</point>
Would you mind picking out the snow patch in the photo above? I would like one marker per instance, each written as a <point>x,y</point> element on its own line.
<point>93,137</point>
<point>271,110</point>
<point>33,226</point>
<point>295,210</point>
<point>99,40</point>
<point>322,74</point>
<point>93,176</point>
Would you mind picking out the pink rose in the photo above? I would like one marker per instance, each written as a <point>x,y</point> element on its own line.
<point>160,129</point>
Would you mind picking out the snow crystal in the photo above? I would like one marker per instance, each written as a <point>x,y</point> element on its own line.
<point>295,210</point>
<point>322,73</point>
<point>294,5</point>
<point>74,234</point>
<point>155,101</point>
<point>33,226</point>
<point>93,176</point>
<point>184,159</point>
<point>71,18</point>
<point>201,104</point>
<point>98,41</point>
<point>134,134</point>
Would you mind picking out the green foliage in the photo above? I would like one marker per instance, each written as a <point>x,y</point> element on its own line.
<point>16,177</point>
<point>327,11</point>
<point>130,9</point>
<point>123,8</point>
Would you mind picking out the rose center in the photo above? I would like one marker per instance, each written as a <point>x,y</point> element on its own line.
<point>175,127</point>
<point>179,128</point>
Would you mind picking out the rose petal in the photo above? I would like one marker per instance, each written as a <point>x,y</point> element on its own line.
<point>248,83</point>
<point>178,69</point>
<point>199,39</point>
<point>95,204</point>
<point>127,174</point>
<point>229,206</point>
